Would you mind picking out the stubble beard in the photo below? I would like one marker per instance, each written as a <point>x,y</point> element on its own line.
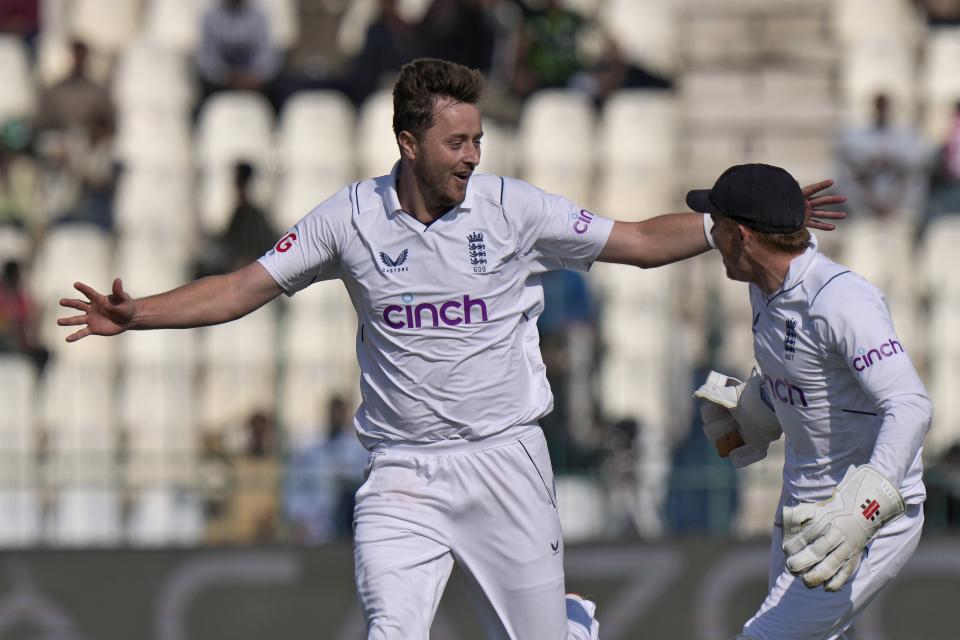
<point>433,185</point>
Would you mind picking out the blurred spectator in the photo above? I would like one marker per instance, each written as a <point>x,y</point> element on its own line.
<point>945,185</point>
<point>215,486</point>
<point>568,339</point>
<point>75,103</point>
<point>941,12</point>
<point>236,51</point>
<point>462,31</point>
<point>253,511</point>
<point>85,175</point>
<point>19,180</point>
<point>883,170</point>
<point>75,129</point>
<point>21,18</point>
<point>248,236</point>
<point>323,479</point>
<point>390,43</point>
<point>611,71</point>
<point>18,317</point>
<point>942,506</point>
<point>548,53</point>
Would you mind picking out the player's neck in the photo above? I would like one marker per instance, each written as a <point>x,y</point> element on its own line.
<point>770,273</point>
<point>412,200</point>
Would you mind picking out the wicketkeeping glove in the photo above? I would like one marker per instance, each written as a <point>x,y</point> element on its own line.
<point>736,417</point>
<point>824,541</point>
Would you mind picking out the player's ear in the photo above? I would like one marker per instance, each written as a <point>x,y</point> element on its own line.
<point>408,145</point>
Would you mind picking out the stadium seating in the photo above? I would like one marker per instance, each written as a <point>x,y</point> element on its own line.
<point>174,24</point>
<point>104,24</point>
<point>557,163</point>
<point>316,133</point>
<point>154,139</point>
<point>376,144</point>
<point>17,98</point>
<point>156,202</point>
<point>151,77</point>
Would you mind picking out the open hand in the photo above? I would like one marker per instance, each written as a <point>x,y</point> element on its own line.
<point>101,315</point>
<point>813,210</point>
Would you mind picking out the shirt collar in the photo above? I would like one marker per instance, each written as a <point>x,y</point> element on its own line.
<point>392,200</point>
<point>799,265</point>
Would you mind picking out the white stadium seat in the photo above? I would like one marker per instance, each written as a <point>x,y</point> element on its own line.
<point>149,76</point>
<point>156,202</point>
<point>871,68</point>
<point>55,270</point>
<point>153,138</point>
<point>645,30</point>
<point>79,409</point>
<point>163,516</point>
<point>106,25</point>
<point>158,408</point>
<point>15,244</point>
<point>87,516</point>
<point>232,126</point>
<point>558,163</point>
<point>230,393</point>
<point>284,21</point>
<point>175,24</point>
<point>20,517</point>
<point>939,83</point>
<point>299,191</point>
<point>377,146</point>
<point>638,129</point>
<point>17,98</point>
<point>316,132</point>
<point>856,21</point>
<point>151,265</point>
<point>17,420</point>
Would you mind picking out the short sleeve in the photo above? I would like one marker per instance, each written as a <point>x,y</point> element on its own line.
<point>556,231</point>
<point>310,250</point>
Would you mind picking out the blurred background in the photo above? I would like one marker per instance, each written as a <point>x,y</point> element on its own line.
<point>198,484</point>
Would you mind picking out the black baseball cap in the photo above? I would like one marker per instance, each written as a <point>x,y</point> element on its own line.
<point>758,196</point>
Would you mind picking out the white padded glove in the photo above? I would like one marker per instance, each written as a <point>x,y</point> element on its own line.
<point>736,417</point>
<point>824,541</point>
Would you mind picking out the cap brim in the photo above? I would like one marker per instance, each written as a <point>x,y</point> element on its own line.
<point>699,200</point>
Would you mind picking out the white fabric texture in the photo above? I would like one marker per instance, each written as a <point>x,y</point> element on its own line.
<point>447,341</point>
<point>492,507</point>
<point>842,384</point>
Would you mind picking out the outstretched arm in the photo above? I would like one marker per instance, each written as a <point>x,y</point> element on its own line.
<point>203,302</point>
<point>677,236</point>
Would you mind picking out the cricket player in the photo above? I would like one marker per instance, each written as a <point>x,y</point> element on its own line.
<point>443,267</point>
<point>838,381</point>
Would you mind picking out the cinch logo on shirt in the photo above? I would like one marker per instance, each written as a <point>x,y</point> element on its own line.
<point>867,358</point>
<point>784,391</point>
<point>450,313</point>
<point>582,221</point>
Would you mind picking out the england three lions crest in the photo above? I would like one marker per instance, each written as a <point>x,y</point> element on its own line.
<point>477,252</point>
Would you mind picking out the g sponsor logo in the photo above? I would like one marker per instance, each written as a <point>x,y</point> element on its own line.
<point>581,221</point>
<point>451,313</point>
<point>286,242</point>
<point>866,358</point>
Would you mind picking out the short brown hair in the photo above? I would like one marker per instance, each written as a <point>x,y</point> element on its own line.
<point>795,242</point>
<point>423,82</point>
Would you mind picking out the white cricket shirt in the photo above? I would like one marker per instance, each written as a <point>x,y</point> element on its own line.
<point>447,338</point>
<point>841,382</point>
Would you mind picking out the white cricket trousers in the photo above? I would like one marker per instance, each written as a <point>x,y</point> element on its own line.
<point>488,505</point>
<point>794,612</point>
